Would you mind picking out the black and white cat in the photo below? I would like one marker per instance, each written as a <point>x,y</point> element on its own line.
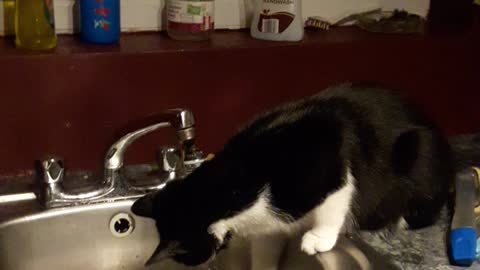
<point>350,157</point>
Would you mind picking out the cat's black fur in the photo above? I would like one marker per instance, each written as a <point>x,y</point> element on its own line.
<point>402,164</point>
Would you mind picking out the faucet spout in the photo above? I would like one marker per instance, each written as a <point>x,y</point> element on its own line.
<point>180,119</point>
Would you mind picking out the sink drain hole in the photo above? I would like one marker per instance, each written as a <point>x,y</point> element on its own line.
<point>121,225</point>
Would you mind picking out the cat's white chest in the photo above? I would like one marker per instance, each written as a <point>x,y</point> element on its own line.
<point>323,222</point>
<point>257,219</point>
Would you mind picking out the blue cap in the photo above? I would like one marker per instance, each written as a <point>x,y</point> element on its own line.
<point>463,242</point>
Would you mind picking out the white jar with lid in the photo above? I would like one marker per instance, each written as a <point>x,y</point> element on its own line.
<point>278,20</point>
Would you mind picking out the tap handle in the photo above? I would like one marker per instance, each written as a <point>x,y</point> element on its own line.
<point>53,170</point>
<point>170,159</point>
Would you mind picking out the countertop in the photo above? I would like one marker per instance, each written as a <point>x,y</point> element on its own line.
<point>423,249</point>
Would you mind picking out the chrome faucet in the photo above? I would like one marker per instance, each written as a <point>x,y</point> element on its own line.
<point>175,163</point>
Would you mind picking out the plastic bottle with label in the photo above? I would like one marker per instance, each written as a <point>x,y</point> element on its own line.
<point>35,24</point>
<point>278,20</point>
<point>190,19</point>
<point>100,21</point>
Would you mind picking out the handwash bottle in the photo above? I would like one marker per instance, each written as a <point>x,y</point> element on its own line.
<point>278,20</point>
<point>35,24</point>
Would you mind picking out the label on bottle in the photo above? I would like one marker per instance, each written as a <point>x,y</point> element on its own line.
<point>276,16</point>
<point>48,11</point>
<point>102,15</point>
<point>190,16</point>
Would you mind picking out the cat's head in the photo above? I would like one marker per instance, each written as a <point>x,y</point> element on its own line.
<point>184,235</point>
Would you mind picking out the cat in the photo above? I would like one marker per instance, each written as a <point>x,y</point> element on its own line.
<point>350,157</point>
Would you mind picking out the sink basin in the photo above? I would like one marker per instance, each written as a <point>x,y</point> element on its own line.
<point>75,238</point>
<point>109,237</point>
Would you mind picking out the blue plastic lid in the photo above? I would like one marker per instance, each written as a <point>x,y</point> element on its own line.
<point>463,242</point>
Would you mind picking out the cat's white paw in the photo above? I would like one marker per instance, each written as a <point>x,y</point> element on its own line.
<point>314,242</point>
<point>219,230</point>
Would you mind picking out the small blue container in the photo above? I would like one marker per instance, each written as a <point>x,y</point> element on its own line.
<point>463,243</point>
<point>100,21</point>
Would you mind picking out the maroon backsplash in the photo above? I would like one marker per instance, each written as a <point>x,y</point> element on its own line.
<point>76,101</point>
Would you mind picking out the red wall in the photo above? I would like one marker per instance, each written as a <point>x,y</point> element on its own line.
<point>76,101</point>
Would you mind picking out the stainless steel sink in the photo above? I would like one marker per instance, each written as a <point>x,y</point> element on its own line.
<point>108,236</point>
<point>75,238</point>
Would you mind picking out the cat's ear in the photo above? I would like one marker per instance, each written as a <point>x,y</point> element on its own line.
<point>144,206</point>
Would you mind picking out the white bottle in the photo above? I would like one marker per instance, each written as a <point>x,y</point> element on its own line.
<point>279,20</point>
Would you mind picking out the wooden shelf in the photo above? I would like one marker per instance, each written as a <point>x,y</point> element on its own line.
<point>154,42</point>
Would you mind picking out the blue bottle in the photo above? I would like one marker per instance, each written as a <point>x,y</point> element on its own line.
<point>100,21</point>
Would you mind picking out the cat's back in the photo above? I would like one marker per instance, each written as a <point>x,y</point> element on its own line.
<point>364,108</point>
<point>381,106</point>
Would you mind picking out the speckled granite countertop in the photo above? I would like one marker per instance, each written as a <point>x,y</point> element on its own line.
<point>423,249</point>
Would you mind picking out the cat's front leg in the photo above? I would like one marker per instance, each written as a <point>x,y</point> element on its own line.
<point>328,219</point>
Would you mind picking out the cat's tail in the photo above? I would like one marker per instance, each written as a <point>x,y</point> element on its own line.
<point>466,150</point>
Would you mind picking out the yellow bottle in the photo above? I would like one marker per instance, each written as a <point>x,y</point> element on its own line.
<point>34,24</point>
